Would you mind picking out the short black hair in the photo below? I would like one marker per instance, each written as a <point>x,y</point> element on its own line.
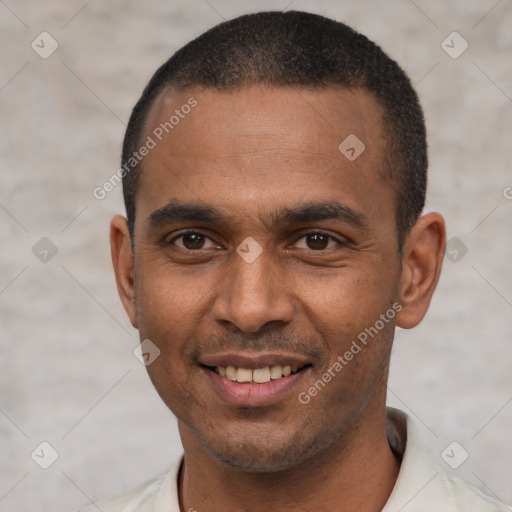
<point>297,49</point>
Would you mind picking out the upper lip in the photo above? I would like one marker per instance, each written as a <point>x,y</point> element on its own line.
<point>253,360</point>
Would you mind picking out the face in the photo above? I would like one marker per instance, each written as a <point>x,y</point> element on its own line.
<point>260,250</point>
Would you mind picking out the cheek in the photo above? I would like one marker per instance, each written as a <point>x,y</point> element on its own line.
<point>170,302</point>
<point>346,312</point>
<point>172,307</point>
<point>167,314</point>
<point>346,300</point>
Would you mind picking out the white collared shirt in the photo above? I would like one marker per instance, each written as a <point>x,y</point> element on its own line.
<point>422,484</point>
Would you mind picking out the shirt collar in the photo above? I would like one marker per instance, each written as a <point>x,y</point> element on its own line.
<point>421,481</point>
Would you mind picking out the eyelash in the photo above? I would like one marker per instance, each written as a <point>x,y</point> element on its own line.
<point>308,233</point>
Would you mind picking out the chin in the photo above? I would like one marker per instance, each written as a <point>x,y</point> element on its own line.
<point>257,459</point>
<point>259,453</point>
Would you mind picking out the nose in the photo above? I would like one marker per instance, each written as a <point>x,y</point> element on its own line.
<point>252,295</point>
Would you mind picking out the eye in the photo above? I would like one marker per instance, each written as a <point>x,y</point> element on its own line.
<point>316,241</point>
<point>192,241</point>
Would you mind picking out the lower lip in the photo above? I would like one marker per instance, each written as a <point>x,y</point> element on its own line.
<point>253,395</point>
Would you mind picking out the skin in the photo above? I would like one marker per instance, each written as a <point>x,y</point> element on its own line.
<point>250,154</point>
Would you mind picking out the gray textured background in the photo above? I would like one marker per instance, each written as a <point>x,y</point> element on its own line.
<point>68,375</point>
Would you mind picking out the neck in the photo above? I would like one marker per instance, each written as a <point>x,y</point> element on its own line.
<point>357,473</point>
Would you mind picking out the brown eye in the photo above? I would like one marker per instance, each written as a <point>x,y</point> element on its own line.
<point>317,241</point>
<point>191,241</point>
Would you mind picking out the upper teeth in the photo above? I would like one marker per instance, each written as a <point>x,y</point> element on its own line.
<point>258,376</point>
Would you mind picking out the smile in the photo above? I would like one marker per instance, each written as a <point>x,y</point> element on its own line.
<point>259,386</point>
<point>257,375</point>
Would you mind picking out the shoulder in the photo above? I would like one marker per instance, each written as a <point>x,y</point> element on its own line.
<point>424,485</point>
<point>158,494</point>
<point>468,497</point>
<point>140,498</point>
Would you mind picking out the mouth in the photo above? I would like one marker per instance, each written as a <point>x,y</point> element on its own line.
<point>258,375</point>
<point>254,380</point>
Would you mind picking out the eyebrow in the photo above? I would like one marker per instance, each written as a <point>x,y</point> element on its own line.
<point>176,211</point>
<point>315,212</point>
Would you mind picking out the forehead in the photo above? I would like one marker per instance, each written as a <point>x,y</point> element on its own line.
<point>263,144</point>
<point>326,114</point>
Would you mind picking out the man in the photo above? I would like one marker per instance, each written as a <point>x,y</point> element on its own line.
<point>274,175</point>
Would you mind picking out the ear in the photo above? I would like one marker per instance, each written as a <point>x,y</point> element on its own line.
<point>122,259</point>
<point>422,258</point>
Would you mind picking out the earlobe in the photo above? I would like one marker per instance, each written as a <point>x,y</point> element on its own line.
<point>422,259</point>
<point>123,261</point>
